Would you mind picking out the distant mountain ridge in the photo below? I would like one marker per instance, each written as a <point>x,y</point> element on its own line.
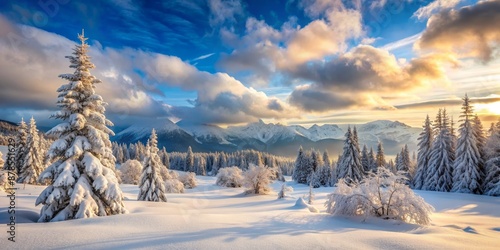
<point>268,137</point>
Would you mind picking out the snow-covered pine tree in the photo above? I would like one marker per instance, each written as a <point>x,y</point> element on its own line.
<point>440,170</point>
<point>365,161</point>
<point>492,181</point>
<point>326,171</point>
<point>350,167</point>
<point>20,145</point>
<point>355,139</point>
<point>82,177</point>
<point>33,158</point>
<point>11,154</point>
<point>164,158</point>
<point>126,153</point>
<point>380,158</point>
<point>189,167</point>
<point>391,165</point>
<point>372,161</point>
<point>151,186</point>
<point>424,150</point>
<point>467,168</point>
<point>300,171</point>
<point>404,163</point>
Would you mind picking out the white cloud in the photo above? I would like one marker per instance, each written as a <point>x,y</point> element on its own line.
<point>434,7</point>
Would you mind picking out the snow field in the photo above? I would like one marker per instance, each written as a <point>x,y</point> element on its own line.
<point>213,217</point>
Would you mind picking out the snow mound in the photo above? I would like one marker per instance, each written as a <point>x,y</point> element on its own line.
<point>301,204</point>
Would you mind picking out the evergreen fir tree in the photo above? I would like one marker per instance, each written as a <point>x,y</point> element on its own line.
<point>440,169</point>
<point>372,161</point>
<point>424,150</point>
<point>467,174</point>
<point>164,158</point>
<point>380,159</point>
<point>492,181</point>
<point>33,159</point>
<point>300,173</point>
<point>20,145</point>
<point>189,167</point>
<point>82,177</point>
<point>151,186</point>
<point>350,167</point>
<point>404,164</point>
<point>365,161</point>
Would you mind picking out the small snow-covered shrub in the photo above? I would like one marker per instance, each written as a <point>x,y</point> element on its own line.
<point>189,180</point>
<point>229,177</point>
<point>4,180</point>
<point>174,186</point>
<point>131,172</point>
<point>383,194</point>
<point>165,174</point>
<point>284,190</point>
<point>257,179</point>
<point>173,174</point>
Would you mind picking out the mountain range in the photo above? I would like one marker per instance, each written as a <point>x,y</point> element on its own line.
<point>273,138</point>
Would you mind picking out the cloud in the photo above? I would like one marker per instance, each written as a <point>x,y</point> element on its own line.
<point>435,6</point>
<point>448,102</point>
<point>224,12</point>
<point>266,50</point>
<point>220,97</point>
<point>367,71</point>
<point>471,31</point>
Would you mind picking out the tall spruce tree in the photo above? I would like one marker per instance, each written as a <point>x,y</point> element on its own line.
<point>365,161</point>
<point>440,169</point>
<point>380,158</point>
<point>424,150</point>
<point>33,159</point>
<point>189,163</point>
<point>467,168</point>
<point>20,145</point>
<point>151,186</point>
<point>349,166</point>
<point>492,181</point>
<point>82,177</point>
<point>299,174</point>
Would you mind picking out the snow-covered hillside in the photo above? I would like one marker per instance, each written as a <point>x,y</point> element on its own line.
<point>212,217</point>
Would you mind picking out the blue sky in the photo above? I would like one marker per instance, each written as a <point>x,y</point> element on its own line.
<point>229,61</point>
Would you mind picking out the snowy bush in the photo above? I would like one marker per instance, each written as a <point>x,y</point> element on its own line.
<point>257,179</point>
<point>383,194</point>
<point>284,190</point>
<point>165,174</point>
<point>189,180</point>
<point>173,175</point>
<point>4,180</point>
<point>174,186</point>
<point>229,177</point>
<point>131,172</point>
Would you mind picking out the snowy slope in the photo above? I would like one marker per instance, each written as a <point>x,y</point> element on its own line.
<point>207,133</point>
<point>316,133</point>
<point>139,131</point>
<point>263,132</point>
<point>211,217</point>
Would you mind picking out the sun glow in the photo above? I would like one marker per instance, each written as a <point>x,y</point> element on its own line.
<point>490,108</point>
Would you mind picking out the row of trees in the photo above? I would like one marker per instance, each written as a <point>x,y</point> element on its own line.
<point>205,163</point>
<point>353,164</point>
<point>467,163</point>
<point>29,153</point>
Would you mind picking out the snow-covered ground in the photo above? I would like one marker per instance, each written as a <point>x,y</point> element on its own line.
<point>212,217</point>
